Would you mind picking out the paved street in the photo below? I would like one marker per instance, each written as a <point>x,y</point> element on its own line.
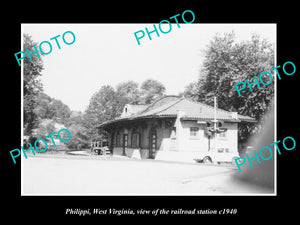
<point>95,175</point>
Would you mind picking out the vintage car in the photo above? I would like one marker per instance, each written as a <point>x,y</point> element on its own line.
<point>100,147</point>
<point>223,155</point>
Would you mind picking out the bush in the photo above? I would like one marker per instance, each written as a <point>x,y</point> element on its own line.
<point>77,143</point>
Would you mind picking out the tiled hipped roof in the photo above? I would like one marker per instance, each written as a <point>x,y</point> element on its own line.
<point>169,106</point>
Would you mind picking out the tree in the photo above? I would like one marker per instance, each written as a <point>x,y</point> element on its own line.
<point>103,106</point>
<point>126,93</point>
<point>191,91</point>
<point>151,90</point>
<point>45,127</point>
<point>227,63</point>
<point>41,106</point>
<point>79,137</point>
<point>50,108</point>
<point>107,103</point>
<point>32,84</point>
<point>59,111</point>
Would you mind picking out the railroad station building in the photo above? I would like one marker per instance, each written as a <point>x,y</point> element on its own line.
<point>172,128</point>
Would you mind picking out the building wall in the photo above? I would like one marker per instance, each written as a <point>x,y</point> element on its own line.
<point>179,145</point>
<point>201,142</point>
<point>189,143</point>
<point>185,147</point>
<point>163,132</point>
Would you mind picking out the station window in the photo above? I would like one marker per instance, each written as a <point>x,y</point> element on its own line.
<point>194,131</point>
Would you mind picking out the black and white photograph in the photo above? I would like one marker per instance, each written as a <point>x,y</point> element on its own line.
<point>148,113</point>
<point>159,116</point>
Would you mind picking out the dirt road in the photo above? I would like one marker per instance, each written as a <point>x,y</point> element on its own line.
<point>83,175</point>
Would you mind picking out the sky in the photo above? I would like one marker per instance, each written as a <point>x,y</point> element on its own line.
<point>108,54</point>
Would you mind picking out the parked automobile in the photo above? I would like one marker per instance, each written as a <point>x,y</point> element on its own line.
<point>218,156</point>
<point>100,147</point>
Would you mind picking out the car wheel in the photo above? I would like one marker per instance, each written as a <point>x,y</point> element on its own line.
<point>207,160</point>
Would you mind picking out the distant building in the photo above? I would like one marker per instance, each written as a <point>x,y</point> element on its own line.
<point>174,128</point>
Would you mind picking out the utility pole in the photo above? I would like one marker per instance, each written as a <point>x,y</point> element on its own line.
<point>216,129</point>
<point>215,122</point>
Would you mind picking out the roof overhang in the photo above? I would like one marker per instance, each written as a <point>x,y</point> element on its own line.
<point>202,120</point>
<point>131,119</point>
<point>185,118</point>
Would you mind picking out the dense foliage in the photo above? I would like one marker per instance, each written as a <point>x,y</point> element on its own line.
<point>32,85</point>
<point>226,63</point>
<point>108,103</point>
